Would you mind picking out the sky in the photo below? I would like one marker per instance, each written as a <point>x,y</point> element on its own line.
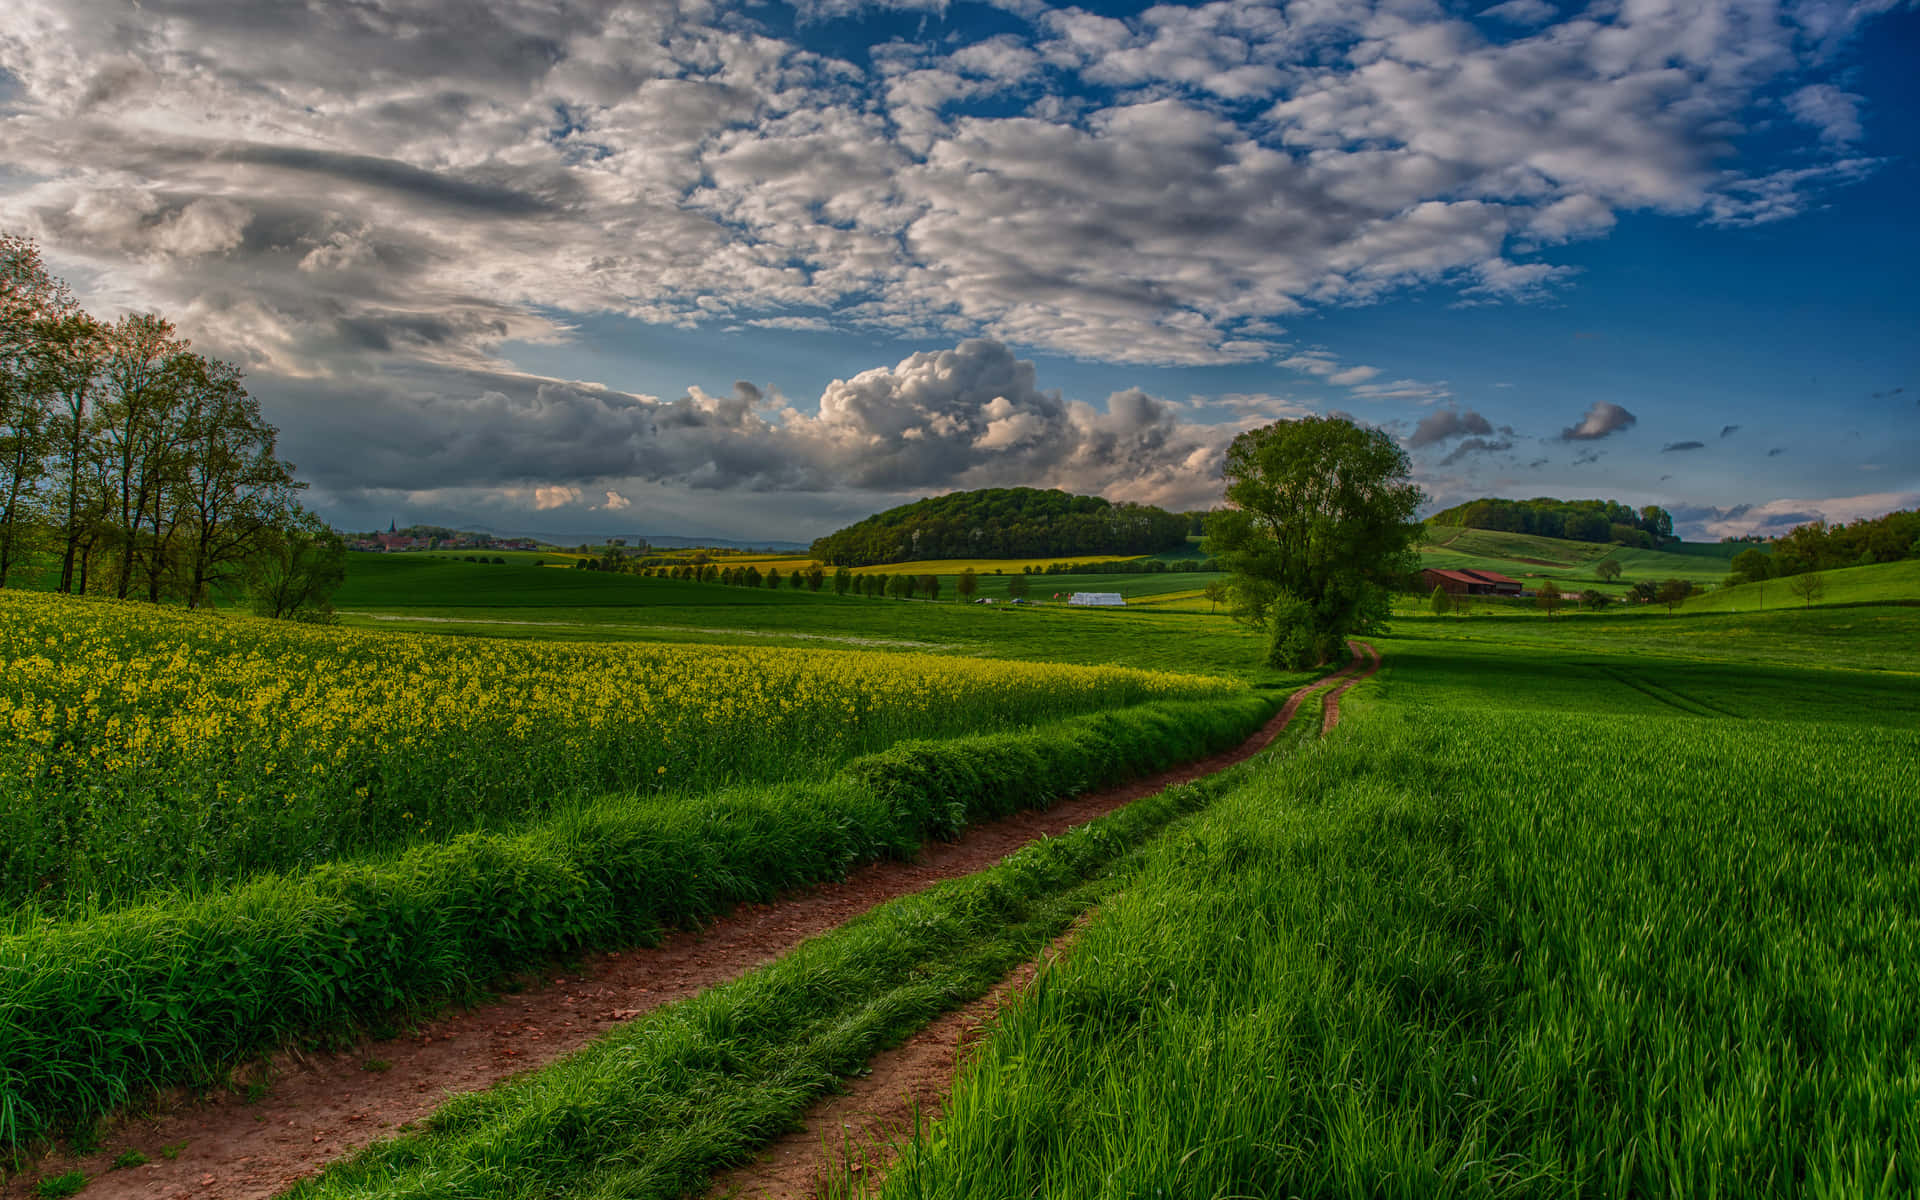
<point>759,270</point>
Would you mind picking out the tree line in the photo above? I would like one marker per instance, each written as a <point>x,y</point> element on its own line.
<point>1818,546</point>
<point>1004,523</point>
<point>1575,520</point>
<point>143,468</point>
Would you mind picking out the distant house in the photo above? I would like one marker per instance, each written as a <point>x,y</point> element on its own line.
<point>1463,582</point>
<point>1098,599</point>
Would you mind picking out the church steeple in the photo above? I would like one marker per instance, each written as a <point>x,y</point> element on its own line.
<point>390,528</point>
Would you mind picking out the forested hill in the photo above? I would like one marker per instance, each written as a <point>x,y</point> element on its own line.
<point>1577,520</point>
<point>1003,523</point>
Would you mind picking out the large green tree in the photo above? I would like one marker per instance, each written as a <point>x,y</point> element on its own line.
<point>1319,525</point>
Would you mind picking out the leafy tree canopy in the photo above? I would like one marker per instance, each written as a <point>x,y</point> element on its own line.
<point>1320,525</point>
<point>1577,520</point>
<point>1004,523</point>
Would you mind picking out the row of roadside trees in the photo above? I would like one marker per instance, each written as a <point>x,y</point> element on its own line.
<point>141,468</point>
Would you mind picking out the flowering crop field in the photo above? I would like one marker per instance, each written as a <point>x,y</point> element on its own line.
<point>151,748</point>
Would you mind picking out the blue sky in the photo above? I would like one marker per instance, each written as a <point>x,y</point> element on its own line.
<point>755,271</point>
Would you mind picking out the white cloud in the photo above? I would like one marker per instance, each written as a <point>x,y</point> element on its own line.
<point>545,498</point>
<point>616,502</point>
<point>379,204</point>
<point>1603,419</point>
<point>1834,113</point>
<point>1776,517</point>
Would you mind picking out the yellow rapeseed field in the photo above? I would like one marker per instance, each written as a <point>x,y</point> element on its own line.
<point>139,733</point>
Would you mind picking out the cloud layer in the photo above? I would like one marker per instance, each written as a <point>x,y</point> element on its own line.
<point>368,206</point>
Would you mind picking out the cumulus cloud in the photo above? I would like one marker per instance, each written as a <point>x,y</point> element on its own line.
<point>1677,447</point>
<point>371,208</point>
<point>970,416</point>
<point>1140,189</point>
<point>1604,418</point>
<point>1479,445</point>
<point>1776,517</point>
<point>616,502</point>
<point>1444,423</point>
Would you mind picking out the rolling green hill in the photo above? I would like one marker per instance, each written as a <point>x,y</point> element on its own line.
<point>1896,582</point>
<point>1525,556</point>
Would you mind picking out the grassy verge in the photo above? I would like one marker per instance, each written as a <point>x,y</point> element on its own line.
<point>93,1013</point>
<point>1487,953</point>
<point>653,1109</point>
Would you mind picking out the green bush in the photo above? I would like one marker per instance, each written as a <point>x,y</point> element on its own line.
<point>95,1012</point>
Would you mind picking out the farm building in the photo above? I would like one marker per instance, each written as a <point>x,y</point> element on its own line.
<point>1463,582</point>
<point>1098,599</point>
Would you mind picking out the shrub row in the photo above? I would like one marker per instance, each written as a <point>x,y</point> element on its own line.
<point>94,1013</point>
<point>652,1109</point>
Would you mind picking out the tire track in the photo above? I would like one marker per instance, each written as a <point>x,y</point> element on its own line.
<point>848,1138</point>
<point>288,1117</point>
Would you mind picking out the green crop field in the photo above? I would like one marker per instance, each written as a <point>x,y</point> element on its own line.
<point>392,592</point>
<point>1613,903</point>
<point>1884,583</point>
<point>1551,920</point>
<point>1524,556</point>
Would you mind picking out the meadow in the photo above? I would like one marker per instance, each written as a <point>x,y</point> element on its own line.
<point>1570,563</point>
<point>397,592</point>
<point>1604,904</point>
<point>1553,922</point>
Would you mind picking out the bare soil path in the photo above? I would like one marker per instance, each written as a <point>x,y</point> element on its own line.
<point>317,1107</point>
<point>851,1135</point>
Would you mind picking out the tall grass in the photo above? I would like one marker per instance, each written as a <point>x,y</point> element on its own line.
<point>1467,953</point>
<point>655,1107</point>
<point>151,748</point>
<point>95,1012</point>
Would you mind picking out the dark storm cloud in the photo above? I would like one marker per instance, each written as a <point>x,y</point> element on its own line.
<point>1603,419</point>
<point>1676,447</point>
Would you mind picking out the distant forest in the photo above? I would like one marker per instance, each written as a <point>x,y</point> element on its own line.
<point>1576,520</point>
<point>1004,523</point>
<point>1818,546</point>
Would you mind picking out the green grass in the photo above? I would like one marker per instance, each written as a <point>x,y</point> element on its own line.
<point>1525,556</point>
<point>653,1109</point>
<point>1879,638</point>
<point>153,748</point>
<point>1883,583</point>
<point>95,1013</point>
<point>470,601</point>
<point>1540,921</point>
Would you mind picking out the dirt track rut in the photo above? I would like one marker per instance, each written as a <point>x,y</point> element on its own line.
<point>318,1107</point>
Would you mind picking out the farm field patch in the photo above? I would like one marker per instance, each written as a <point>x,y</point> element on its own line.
<point>494,602</point>
<point>1541,917</point>
<point>230,746</point>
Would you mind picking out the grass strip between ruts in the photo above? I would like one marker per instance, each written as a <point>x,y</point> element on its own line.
<point>652,1109</point>
<point>95,1013</point>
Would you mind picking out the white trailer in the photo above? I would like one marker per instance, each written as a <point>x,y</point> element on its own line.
<point>1098,599</point>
